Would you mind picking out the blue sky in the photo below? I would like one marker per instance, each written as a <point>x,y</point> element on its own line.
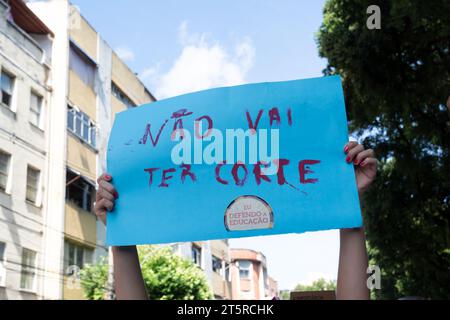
<point>181,46</point>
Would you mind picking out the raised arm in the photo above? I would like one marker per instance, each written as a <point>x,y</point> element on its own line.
<point>353,262</point>
<point>128,281</point>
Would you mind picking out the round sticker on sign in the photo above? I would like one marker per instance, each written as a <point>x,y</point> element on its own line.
<point>248,213</point>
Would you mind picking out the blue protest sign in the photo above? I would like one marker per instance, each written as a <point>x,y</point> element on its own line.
<point>241,161</point>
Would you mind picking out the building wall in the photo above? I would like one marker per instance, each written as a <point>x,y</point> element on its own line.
<point>54,14</point>
<point>219,283</point>
<point>79,226</point>
<point>272,288</point>
<point>82,33</point>
<point>258,285</point>
<point>105,119</point>
<point>81,157</point>
<point>128,82</point>
<point>82,96</point>
<point>22,222</point>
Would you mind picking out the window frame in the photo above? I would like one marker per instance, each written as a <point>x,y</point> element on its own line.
<point>219,271</point>
<point>36,187</point>
<point>121,96</point>
<point>8,171</point>
<point>77,56</point>
<point>198,252</point>
<point>13,78</point>
<point>87,189</point>
<point>247,269</point>
<point>86,256</point>
<point>39,113</point>
<point>77,122</point>
<point>26,270</point>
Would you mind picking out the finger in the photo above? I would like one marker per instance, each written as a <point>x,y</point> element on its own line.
<point>99,208</point>
<point>353,152</point>
<point>363,155</point>
<point>104,194</point>
<point>109,187</point>
<point>98,194</point>
<point>350,145</point>
<point>104,205</point>
<point>104,177</point>
<point>368,161</point>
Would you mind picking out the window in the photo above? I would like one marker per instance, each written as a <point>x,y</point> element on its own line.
<point>28,273</point>
<point>119,94</point>
<point>244,269</point>
<point>35,109</point>
<point>197,255</point>
<point>217,265</point>
<point>2,264</point>
<point>82,65</point>
<point>4,169</point>
<point>75,255</point>
<point>79,191</point>
<point>7,88</point>
<point>81,125</point>
<point>32,184</point>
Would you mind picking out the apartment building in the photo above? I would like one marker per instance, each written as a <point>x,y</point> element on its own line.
<point>249,276</point>
<point>213,257</point>
<point>90,84</point>
<point>25,69</point>
<point>61,85</point>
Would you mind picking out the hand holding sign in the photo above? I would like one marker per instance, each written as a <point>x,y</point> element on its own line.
<point>232,162</point>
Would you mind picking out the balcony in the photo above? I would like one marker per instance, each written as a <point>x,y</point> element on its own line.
<point>25,29</point>
<point>220,286</point>
<point>80,225</point>
<point>22,39</point>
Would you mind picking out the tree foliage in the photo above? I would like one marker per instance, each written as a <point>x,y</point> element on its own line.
<point>320,284</point>
<point>397,84</point>
<point>94,280</point>
<point>167,276</point>
<point>171,277</point>
<point>285,295</point>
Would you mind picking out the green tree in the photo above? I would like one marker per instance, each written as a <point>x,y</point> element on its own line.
<point>166,276</point>
<point>285,295</point>
<point>94,280</point>
<point>397,82</point>
<point>320,284</point>
<point>170,277</point>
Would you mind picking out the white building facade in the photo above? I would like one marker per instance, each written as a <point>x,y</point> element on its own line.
<point>61,85</point>
<point>25,70</point>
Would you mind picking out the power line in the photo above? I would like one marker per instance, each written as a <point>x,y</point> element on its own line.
<point>45,226</point>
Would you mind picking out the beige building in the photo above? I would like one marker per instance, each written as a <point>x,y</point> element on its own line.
<point>61,85</point>
<point>249,276</point>
<point>90,84</point>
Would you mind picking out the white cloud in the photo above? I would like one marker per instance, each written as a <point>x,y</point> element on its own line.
<point>125,53</point>
<point>202,64</point>
<point>149,73</point>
